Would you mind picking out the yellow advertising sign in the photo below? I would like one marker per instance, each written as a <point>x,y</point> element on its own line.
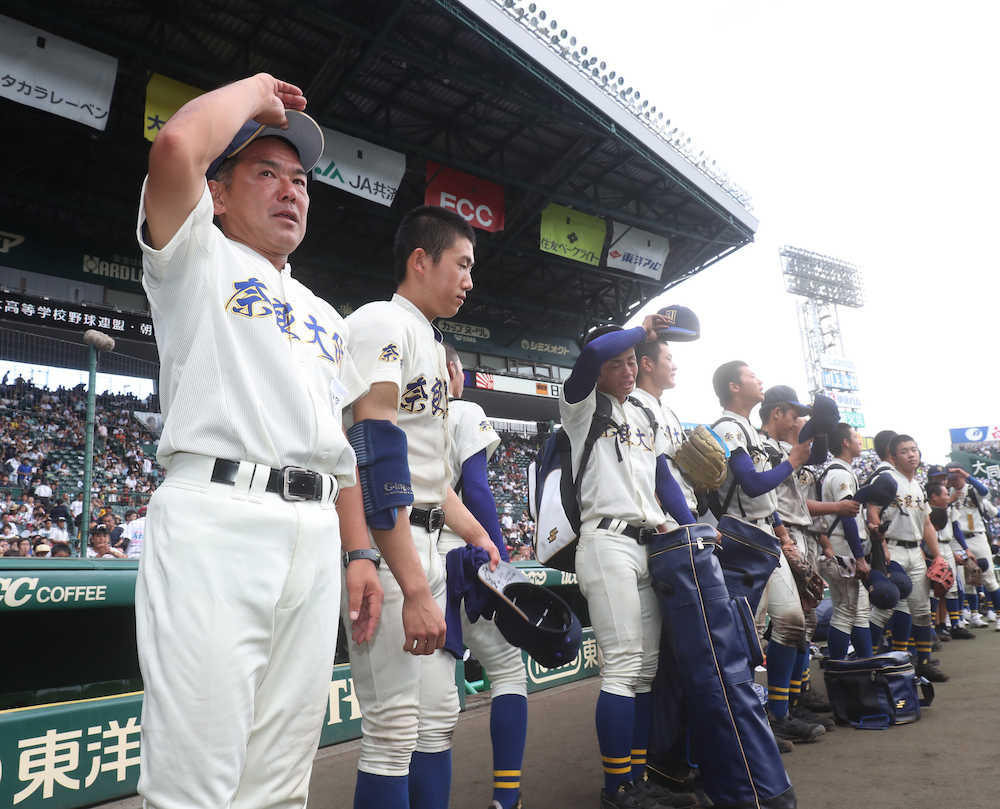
<point>163,98</point>
<point>572,234</point>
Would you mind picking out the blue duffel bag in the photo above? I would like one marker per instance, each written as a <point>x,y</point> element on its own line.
<point>873,693</point>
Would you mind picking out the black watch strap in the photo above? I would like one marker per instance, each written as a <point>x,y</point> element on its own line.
<point>363,553</point>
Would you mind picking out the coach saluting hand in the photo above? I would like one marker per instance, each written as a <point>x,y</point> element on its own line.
<point>237,599</point>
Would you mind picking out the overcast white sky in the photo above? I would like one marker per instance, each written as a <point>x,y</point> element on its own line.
<point>866,131</point>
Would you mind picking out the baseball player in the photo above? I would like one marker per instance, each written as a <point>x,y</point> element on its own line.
<point>909,525</point>
<point>954,549</point>
<point>749,495</point>
<point>625,491</point>
<point>972,507</point>
<point>473,441</point>
<point>405,682</point>
<point>844,564</point>
<point>238,592</point>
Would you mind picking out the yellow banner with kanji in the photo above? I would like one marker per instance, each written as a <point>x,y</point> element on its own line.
<point>164,97</point>
<point>573,235</point>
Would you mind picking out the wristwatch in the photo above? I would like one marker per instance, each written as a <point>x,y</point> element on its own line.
<point>363,553</point>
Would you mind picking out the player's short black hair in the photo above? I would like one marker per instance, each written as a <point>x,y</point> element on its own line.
<point>881,443</point>
<point>900,438</point>
<point>838,434</point>
<point>935,487</point>
<point>728,372</point>
<point>430,228</point>
<point>648,348</point>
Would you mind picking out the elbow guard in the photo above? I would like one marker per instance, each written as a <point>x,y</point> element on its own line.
<point>383,470</point>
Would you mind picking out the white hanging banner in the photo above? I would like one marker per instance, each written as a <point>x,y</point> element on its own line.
<point>360,168</point>
<point>638,251</point>
<point>54,74</point>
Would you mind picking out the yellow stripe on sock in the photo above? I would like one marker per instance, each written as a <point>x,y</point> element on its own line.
<point>638,761</point>
<point>506,773</point>
<point>506,785</point>
<point>778,697</point>
<point>777,688</point>
<point>636,752</point>
<point>610,760</point>
<point>618,770</point>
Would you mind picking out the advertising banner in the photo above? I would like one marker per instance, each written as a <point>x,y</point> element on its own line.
<point>164,96</point>
<point>479,202</point>
<point>637,251</point>
<point>74,316</point>
<point>975,435</point>
<point>360,168</point>
<point>55,75</point>
<point>573,235</point>
<point>508,342</point>
<point>513,384</point>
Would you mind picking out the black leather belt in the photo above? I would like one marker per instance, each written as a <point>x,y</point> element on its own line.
<point>640,535</point>
<point>431,519</point>
<point>293,483</point>
<point>904,543</point>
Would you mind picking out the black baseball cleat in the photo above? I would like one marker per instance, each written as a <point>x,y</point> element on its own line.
<point>944,634</point>
<point>932,672</point>
<point>621,798</point>
<point>660,796</point>
<point>498,805</point>
<point>810,718</point>
<point>784,746</point>
<point>961,633</point>
<point>814,702</point>
<point>794,730</point>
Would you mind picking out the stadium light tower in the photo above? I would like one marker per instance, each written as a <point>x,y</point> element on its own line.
<point>824,283</point>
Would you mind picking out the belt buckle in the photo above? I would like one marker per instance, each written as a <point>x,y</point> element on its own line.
<point>287,482</point>
<point>435,518</point>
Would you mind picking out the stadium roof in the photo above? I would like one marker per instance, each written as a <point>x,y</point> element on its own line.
<point>479,85</point>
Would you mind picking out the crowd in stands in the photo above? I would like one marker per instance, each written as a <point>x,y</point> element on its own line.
<point>42,438</point>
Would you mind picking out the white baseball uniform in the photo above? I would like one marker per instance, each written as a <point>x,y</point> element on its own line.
<point>238,589</point>
<point>611,567</point>
<point>907,513</point>
<point>673,437</point>
<point>948,544</point>
<point>408,702</point>
<point>471,433</point>
<point>780,599</point>
<point>851,605</point>
<point>970,520</point>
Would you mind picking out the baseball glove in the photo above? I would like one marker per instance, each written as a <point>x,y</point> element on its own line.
<point>940,576</point>
<point>809,583</point>
<point>973,575</point>
<point>702,458</point>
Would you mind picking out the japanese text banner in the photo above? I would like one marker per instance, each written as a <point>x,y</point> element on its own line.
<point>638,251</point>
<point>360,168</point>
<point>573,235</point>
<point>164,96</point>
<point>55,75</point>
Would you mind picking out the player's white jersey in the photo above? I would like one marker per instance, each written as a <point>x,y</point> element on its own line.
<point>741,505</point>
<point>673,437</point>
<point>908,510</point>
<point>839,482</point>
<point>620,481</point>
<point>470,433</point>
<point>253,366</point>
<point>392,341</point>
<point>793,490</point>
<point>967,512</point>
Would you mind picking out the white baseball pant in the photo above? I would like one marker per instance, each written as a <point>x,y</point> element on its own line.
<point>980,548</point>
<point>236,608</point>
<point>918,603</point>
<point>503,663</point>
<point>949,553</point>
<point>408,702</point>
<point>782,604</point>
<point>851,604</point>
<point>624,612</point>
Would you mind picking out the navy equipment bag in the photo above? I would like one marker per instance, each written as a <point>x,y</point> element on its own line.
<point>873,693</point>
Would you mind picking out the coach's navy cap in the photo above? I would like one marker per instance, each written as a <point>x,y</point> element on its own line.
<point>782,395</point>
<point>900,578</point>
<point>303,133</point>
<point>683,327</point>
<point>880,492</point>
<point>531,617</point>
<point>882,592</point>
<point>825,416</point>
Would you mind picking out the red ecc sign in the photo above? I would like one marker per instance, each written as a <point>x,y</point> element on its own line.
<point>479,202</point>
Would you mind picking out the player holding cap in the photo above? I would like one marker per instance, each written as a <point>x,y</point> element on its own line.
<point>237,598</point>
<point>626,491</point>
<point>404,680</point>
<point>473,441</point>
<point>973,508</point>
<point>909,525</point>
<point>954,549</point>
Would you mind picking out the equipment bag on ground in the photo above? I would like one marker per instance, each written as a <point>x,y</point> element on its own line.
<point>873,693</point>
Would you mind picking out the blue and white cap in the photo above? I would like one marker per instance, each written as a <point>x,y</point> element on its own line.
<point>303,133</point>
